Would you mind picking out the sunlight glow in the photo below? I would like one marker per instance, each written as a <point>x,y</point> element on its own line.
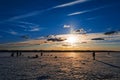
<point>72,39</point>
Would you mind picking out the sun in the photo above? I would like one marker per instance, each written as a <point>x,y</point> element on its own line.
<point>71,39</point>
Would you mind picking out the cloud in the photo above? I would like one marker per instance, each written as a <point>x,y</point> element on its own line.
<point>66,26</point>
<point>26,23</point>
<point>80,31</point>
<point>76,13</point>
<point>21,16</point>
<point>85,11</point>
<point>71,3</point>
<point>30,14</point>
<point>37,12</point>
<point>29,26</point>
<point>111,33</point>
<point>92,18</point>
<point>59,39</point>
<point>34,29</point>
<point>22,26</point>
<point>12,32</point>
<point>24,16</point>
<point>97,39</point>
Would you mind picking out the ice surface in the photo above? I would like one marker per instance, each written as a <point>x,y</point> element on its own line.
<point>65,66</point>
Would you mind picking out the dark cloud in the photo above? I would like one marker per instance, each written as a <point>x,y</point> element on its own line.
<point>80,31</point>
<point>56,39</point>
<point>111,33</point>
<point>98,39</point>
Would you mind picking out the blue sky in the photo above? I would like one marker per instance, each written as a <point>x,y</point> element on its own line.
<point>48,17</point>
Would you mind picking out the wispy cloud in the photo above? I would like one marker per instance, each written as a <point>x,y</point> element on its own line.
<point>12,32</point>
<point>29,26</point>
<point>26,23</point>
<point>66,26</point>
<point>34,29</point>
<point>85,11</point>
<point>30,14</point>
<point>92,18</point>
<point>71,3</point>
<point>76,13</point>
<point>24,16</point>
<point>34,13</point>
<point>21,16</point>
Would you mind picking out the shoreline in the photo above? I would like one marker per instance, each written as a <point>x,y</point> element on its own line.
<point>58,51</point>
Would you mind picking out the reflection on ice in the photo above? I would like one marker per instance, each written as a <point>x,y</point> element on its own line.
<point>68,65</point>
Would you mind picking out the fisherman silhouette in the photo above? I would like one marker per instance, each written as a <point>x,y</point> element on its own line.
<point>93,54</point>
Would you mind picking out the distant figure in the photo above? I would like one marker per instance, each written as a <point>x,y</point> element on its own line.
<point>17,54</point>
<point>55,57</point>
<point>93,54</point>
<point>36,56</point>
<point>41,53</point>
<point>12,54</point>
<point>20,53</point>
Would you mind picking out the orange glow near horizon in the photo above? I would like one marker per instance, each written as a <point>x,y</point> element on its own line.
<point>72,39</point>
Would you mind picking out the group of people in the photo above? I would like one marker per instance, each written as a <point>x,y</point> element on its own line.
<point>13,54</point>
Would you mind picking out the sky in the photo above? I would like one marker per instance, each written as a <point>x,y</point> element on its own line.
<point>30,24</point>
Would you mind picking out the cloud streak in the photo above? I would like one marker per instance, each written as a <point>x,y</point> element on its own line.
<point>34,13</point>
<point>71,3</point>
<point>12,32</point>
<point>33,29</point>
<point>29,26</point>
<point>85,11</point>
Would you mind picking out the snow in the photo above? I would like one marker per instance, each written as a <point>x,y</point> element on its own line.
<point>65,66</point>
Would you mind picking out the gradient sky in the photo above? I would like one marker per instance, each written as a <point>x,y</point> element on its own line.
<point>49,17</point>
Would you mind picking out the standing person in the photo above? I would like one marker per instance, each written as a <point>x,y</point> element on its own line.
<point>12,54</point>
<point>41,53</point>
<point>93,54</point>
<point>20,54</point>
<point>17,54</point>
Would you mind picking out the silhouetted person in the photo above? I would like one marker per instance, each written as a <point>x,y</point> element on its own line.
<point>41,53</point>
<point>20,53</point>
<point>55,57</point>
<point>12,54</point>
<point>36,56</point>
<point>93,54</point>
<point>17,54</point>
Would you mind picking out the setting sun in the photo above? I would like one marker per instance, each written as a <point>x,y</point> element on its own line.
<point>72,39</point>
